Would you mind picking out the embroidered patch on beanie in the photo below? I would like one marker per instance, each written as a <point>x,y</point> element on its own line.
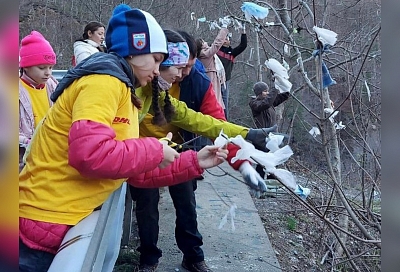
<point>139,41</point>
<point>134,32</point>
<point>36,50</point>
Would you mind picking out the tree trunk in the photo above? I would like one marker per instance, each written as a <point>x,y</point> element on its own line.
<point>332,153</point>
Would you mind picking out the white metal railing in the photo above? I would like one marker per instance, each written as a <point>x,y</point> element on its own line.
<point>93,244</point>
<point>58,74</point>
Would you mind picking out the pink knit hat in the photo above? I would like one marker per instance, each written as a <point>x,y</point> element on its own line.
<point>36,50</point>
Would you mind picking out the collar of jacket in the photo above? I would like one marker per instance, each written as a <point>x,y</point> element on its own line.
<point>88,42</point>
<point>91,42</point>
<point>98,63</point>
<point>30,82</point>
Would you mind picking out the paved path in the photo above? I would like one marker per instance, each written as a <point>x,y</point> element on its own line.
<point>247,248</point>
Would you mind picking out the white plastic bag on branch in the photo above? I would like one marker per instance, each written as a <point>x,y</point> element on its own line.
<point>368,91</point>
<point>274,141</point>
<point>238,25</point>
<point>325,36</point>
<point>272,159</point>
<point>282,85</point>
<point>286,177</point>
<point>269,160</point>
<point>281,75</point>
<point>214,25</point>
<point>225,21</point>
<point>276,67</point>
<point>314,131</point>
<point>286,50</point>
<point>250,9</point>
<point>232,214</point>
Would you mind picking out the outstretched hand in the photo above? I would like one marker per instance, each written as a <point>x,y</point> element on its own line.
<point>169,153</point>
<point>240,26</point>
<point>211,155</point>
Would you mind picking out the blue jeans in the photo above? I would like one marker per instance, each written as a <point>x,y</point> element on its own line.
<point>32,260</point>
<point>188,237</point>
<point>225,98</point>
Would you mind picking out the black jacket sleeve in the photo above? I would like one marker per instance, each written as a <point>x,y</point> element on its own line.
<point>280,98</point>
<point>259,105</point>
<point>241,47</point>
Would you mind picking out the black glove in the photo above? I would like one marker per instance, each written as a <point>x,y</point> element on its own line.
<point>257,136</point>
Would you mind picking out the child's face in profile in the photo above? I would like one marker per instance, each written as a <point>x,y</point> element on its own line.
<point>98,35</point>
<point>264,93</point>
<point>145,67</point>
<point>39,73</point>
<point>172,73</point>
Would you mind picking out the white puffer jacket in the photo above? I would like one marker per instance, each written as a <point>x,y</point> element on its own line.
<point>83,49</point>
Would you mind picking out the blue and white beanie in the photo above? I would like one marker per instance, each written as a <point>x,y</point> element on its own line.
<point>134,32</point>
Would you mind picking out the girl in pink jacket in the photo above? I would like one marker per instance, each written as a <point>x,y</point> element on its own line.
<point>36,84</point>
<point>207,54</point>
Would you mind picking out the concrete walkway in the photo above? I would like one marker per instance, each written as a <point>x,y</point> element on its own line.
<point>246,248</point>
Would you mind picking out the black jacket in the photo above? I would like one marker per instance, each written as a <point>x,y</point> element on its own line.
<point>263,108</point>
<point>227,55</point>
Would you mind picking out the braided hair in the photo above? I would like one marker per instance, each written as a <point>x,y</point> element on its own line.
<point>169,109</point>
<point>160,117</point>
<point>135,100</point>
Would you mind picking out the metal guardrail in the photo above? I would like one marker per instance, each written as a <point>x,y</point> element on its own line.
<point>101,252</point>
<point>58,74</point>
<point>105,244</point>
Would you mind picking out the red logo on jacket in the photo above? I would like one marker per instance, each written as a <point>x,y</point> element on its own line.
<point>122,120</point>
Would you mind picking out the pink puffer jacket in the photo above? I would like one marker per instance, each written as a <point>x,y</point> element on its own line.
<point>42,235</point>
